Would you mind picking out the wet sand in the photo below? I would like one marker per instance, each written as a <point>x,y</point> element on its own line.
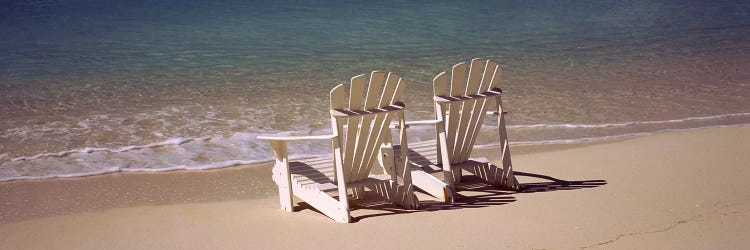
<point>685,189</point>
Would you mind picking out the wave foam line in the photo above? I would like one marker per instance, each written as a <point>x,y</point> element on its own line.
<point>212,165</point>
<point>207,166</point>
<point>86,150</point>
<point>182,140</point>
<point>624,124</point>
<point>231,163</point>
<point>602,138</point>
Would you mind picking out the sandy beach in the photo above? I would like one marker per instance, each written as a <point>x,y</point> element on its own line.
<point>139,124</point>
<point>676,190</point>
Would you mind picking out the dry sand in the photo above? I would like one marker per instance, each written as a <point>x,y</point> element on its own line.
<point>686,189</point>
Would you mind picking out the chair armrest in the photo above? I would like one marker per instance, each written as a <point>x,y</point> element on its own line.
<point>278,142</point>
<point>496,113</point>
<point>423,122</point>
<point>295,137</point>
<point>417,123</point>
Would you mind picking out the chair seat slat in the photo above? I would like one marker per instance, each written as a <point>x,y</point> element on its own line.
<point>449,99</point>
<point>348,112</point>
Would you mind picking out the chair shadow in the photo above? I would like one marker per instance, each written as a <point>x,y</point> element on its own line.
<point>482,195</point>
<point>309,172</point>
<point>554,184</point>
<point>471,193</point>
<point>419,160</point>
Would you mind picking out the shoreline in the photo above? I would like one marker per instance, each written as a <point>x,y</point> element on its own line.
<point>231,177</point>
<point>682,188</point>
<point>238,163</point>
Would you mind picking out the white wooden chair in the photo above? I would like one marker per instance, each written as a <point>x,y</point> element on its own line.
<point>463,96</point>
<point>360,136</point>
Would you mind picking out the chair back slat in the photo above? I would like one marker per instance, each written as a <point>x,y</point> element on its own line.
<point>365,130</point>
<point>458,79</point>
<point>475,76</point>
<point>464,118</point>
<point>357,92</point>
<point>389,91</point>
<point>374,90</point>
<point>496,77</point>
<point>337,97</point>
<point>356,102</point>
<point>374,140</point>
<point>489,74</point>
<point>453,112</point>
<point>398,96</point>
<point>481,106</point>
<point>490,80</point>
<point>392,93</point>
<point>440,84</point>
<point>484,69</point>
<point>467,115</point>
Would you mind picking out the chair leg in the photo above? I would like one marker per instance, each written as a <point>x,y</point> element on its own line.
<point>359,192</point>
<point>406,196</point>
<point>457,176</point>
<point>285,194</point>
<point>496,176</point>
<point>432,185</point>
<point>323,202</point>
<point>281,175</point>
<point>399,171</point>
<point>509,181</point>
<point>452,176</point>
<point>402,195</point>
<point>285,189</point>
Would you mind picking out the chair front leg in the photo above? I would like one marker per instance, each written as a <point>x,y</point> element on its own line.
<point>406,191</point>
<point>443,157</point>
<point>281,175</point>
<point>387,161</point>
<point>509,180</point>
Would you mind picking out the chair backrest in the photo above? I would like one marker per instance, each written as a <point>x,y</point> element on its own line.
<point>361,117</point>
<point>461,100</point>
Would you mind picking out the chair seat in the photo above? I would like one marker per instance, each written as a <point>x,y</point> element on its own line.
<point>319,172</point>
<point>423,155</point>
<point>360,114</point>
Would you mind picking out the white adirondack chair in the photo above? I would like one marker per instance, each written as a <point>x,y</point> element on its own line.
<point>360,136</point>
<point>461,102</point>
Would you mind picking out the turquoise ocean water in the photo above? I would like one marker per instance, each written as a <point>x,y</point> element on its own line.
<point>96,86</point>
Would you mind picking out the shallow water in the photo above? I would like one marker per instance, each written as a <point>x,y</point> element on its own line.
<point>98,86</point>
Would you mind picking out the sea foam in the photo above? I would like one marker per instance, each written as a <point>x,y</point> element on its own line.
<point>220,151</point>
<point>624,124</point>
